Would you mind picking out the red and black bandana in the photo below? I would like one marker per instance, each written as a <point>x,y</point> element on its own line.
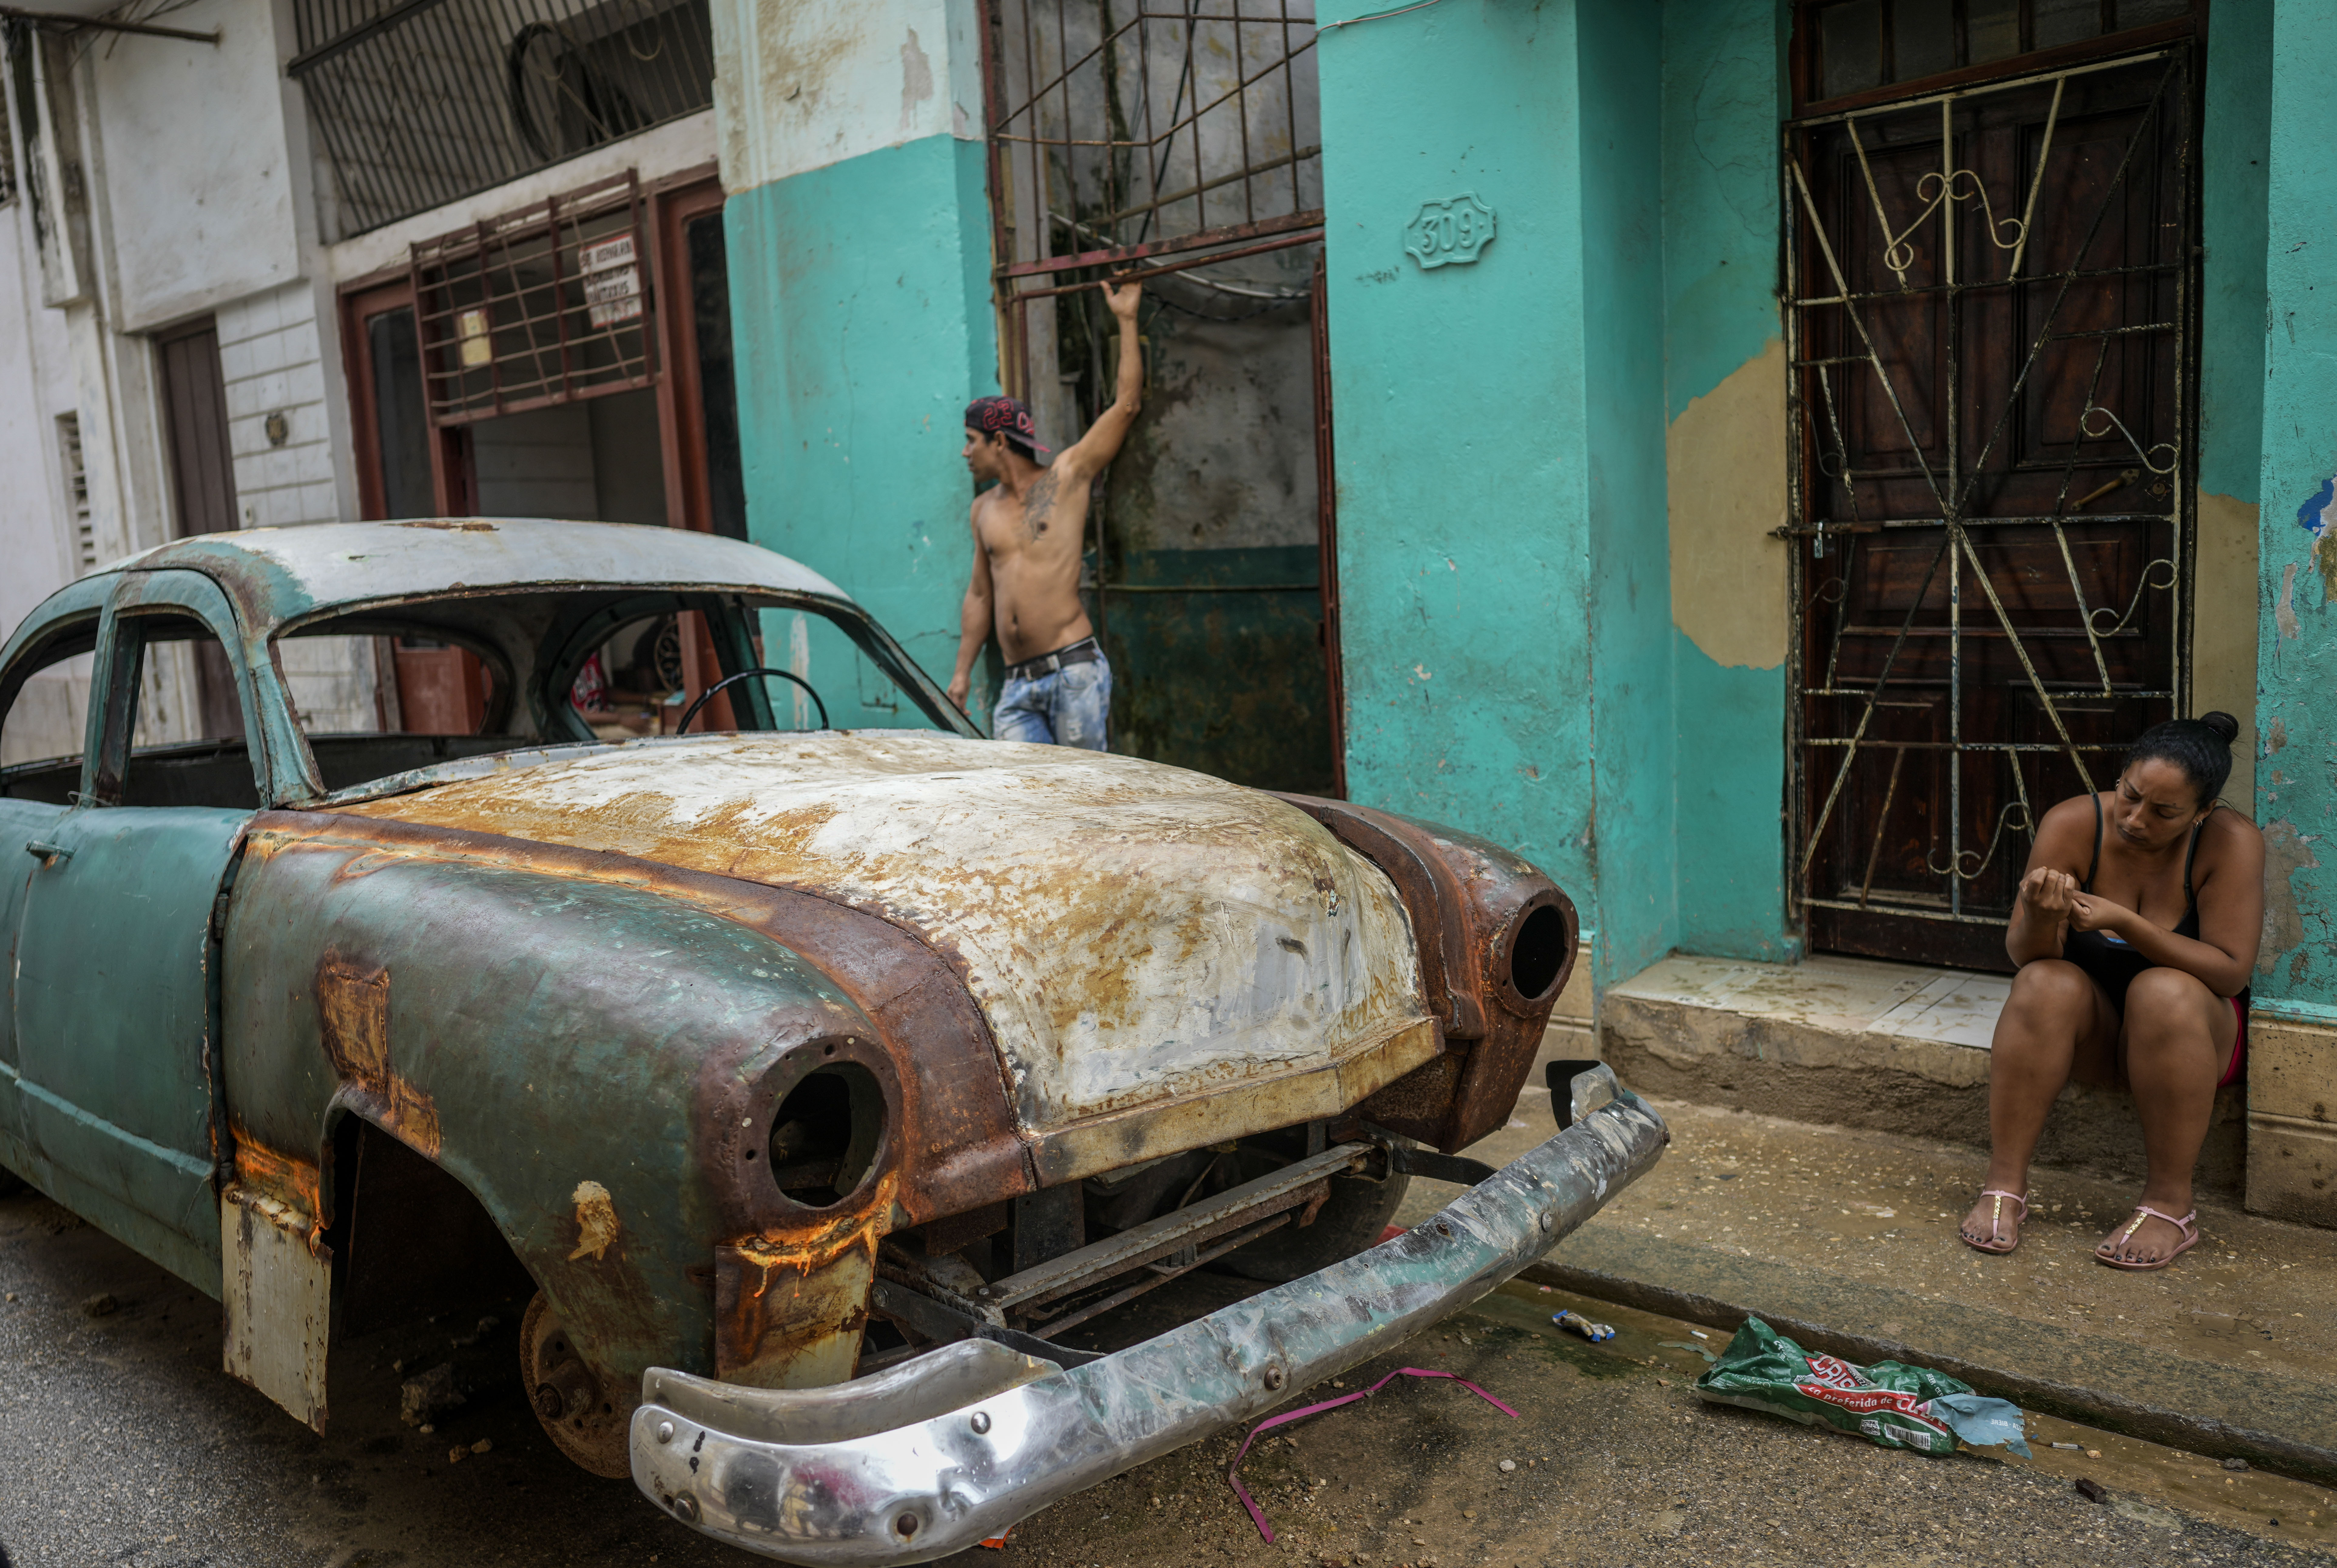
<point>1006,417</point>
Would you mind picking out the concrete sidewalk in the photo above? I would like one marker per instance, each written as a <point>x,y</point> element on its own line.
<point>1846,1239</point>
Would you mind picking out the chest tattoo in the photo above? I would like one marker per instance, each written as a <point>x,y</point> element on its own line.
<point>1039,504</point>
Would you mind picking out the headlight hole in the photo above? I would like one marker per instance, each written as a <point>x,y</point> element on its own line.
<point>1538,952</point>
<point>825,1133</point>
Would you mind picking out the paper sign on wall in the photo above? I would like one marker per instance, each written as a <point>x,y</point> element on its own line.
<point>612,280</point>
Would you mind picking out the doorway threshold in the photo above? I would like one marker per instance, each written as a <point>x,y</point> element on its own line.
<point>1863,1043</point>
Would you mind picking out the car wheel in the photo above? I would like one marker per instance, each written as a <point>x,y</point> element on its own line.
<point>1350,1221</point>
<point>11,1184</point>
<point>584,1420</point>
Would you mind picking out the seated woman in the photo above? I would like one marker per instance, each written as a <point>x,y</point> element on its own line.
<point>2135,929</point>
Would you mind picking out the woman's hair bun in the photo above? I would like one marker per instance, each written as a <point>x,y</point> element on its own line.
<point>2222,724</point>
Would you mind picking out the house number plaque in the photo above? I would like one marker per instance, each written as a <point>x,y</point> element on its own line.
<point>1453,231</point>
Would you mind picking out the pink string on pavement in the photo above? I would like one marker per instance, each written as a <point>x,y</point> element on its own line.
<point>1233,1471</point>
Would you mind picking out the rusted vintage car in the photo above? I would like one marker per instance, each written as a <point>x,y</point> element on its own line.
<point>811,1082</point>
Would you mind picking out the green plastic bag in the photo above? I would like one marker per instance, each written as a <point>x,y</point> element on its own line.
<point>1896,1405</point>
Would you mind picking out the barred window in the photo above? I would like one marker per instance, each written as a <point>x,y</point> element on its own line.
<point>420,102</point>
<point>548,303</point>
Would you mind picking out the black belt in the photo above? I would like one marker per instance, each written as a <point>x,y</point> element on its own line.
<point>1083,651</point>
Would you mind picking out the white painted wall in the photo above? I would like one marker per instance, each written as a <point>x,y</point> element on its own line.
<point>46,719</point>
<point>199,178</point>
<point>271,356</point>
<point>802,86</point>
<point>665,149</point>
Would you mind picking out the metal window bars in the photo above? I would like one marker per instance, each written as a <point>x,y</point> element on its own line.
<point>548,303</point>
<point>2083,674</point>
<point>1125,131</point>
<point>420,102</point>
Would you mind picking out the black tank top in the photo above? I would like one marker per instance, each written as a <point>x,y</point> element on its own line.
<point>2112,962</point>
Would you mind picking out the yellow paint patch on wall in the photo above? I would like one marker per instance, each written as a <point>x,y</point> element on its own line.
<point>2224,630</point>
<point>1724,474</point>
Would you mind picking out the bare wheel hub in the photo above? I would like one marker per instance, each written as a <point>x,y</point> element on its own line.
<point>582,1418</point>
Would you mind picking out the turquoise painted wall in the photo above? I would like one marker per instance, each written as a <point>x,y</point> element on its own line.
<point>2296,663</point>
<point>1458,399</point>
<point>1633,749</point>
<point>1505,602</point>
<point>860,311</point>
<point>2236,143</point>
<point>1725,92</point>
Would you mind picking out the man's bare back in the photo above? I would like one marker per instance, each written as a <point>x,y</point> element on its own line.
<point>1030,526</point>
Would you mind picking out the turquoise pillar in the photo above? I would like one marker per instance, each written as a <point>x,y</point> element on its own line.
<point>2296,668</point>
<point>1724,95</point>
<point>858,236</point>
<point>1500,433</point>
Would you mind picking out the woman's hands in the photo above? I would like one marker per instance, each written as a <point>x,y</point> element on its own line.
<point>2089,914</point>
<point>2053,896</point>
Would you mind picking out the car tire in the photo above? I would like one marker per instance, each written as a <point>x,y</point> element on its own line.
<point>11,1184</point>
<point>1350,1221</point>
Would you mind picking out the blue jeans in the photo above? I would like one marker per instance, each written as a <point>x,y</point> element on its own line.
<point>1073,707</point>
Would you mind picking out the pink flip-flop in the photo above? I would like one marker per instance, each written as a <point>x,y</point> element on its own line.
<point>2190,1231</point>
<point>1994,1242</point>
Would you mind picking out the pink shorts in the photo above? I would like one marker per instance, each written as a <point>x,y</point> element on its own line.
<point>2238,1066</point>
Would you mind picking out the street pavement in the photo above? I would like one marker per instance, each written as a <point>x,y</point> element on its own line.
<point>121,1442</point>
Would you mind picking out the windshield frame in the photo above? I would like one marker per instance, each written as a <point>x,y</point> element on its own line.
<point>556,656</point>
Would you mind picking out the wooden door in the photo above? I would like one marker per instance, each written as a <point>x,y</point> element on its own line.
<point>1993,363</point>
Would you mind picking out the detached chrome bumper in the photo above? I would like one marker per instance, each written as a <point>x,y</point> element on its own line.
<point>943,1451</point>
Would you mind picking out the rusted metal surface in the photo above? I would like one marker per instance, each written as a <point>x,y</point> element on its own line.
<point>1143,936</point>
<point>908,1469</point>
<point>353,1010</point>
<point>276,1304</point>
<point>612,1120</point>
<point>1469,901</point>
<point>1042,1295</point>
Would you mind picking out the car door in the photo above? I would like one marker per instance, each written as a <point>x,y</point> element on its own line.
<point>116,1033</point>
<point>42,670</point>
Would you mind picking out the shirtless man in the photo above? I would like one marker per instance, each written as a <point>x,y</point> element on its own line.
<point>1028,529</point>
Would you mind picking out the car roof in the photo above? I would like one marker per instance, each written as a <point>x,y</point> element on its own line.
<point>278,575</point>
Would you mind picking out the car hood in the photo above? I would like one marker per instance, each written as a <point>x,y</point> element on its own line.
<point>1133,932</point>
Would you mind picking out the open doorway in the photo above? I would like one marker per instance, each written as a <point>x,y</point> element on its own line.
<point>1184,149</point>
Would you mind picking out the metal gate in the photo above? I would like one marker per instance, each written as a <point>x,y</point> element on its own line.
<point>1990,328</point>
<point>1180,143</point>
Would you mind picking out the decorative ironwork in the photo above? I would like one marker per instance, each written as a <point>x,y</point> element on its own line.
<point>420,102</point>
<point>548,303</point>
<point>1959,380</point>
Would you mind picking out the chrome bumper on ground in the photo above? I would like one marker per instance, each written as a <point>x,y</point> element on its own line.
<point>939,1452</point>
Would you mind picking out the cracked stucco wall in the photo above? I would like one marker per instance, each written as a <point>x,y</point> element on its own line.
<point>2296,672</point>
<point>1499,429</point>
<point>1725,455</point>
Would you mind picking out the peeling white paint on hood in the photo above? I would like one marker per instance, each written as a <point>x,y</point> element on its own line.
<point>1133,931</point>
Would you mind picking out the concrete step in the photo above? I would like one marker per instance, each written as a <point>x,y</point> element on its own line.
<point>1845,1239</point>
<point>1857,1043</point>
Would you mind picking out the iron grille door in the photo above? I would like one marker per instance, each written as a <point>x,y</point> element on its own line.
<point>1993,363</point>
<point>1181,144</point>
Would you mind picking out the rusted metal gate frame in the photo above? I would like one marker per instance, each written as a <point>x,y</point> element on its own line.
<point>1204,246</point>
<point>558,218</point>
<point>1806,443</point>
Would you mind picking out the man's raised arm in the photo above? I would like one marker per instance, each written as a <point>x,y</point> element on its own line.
<point>973,619</point>
<point>1087,455</point>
